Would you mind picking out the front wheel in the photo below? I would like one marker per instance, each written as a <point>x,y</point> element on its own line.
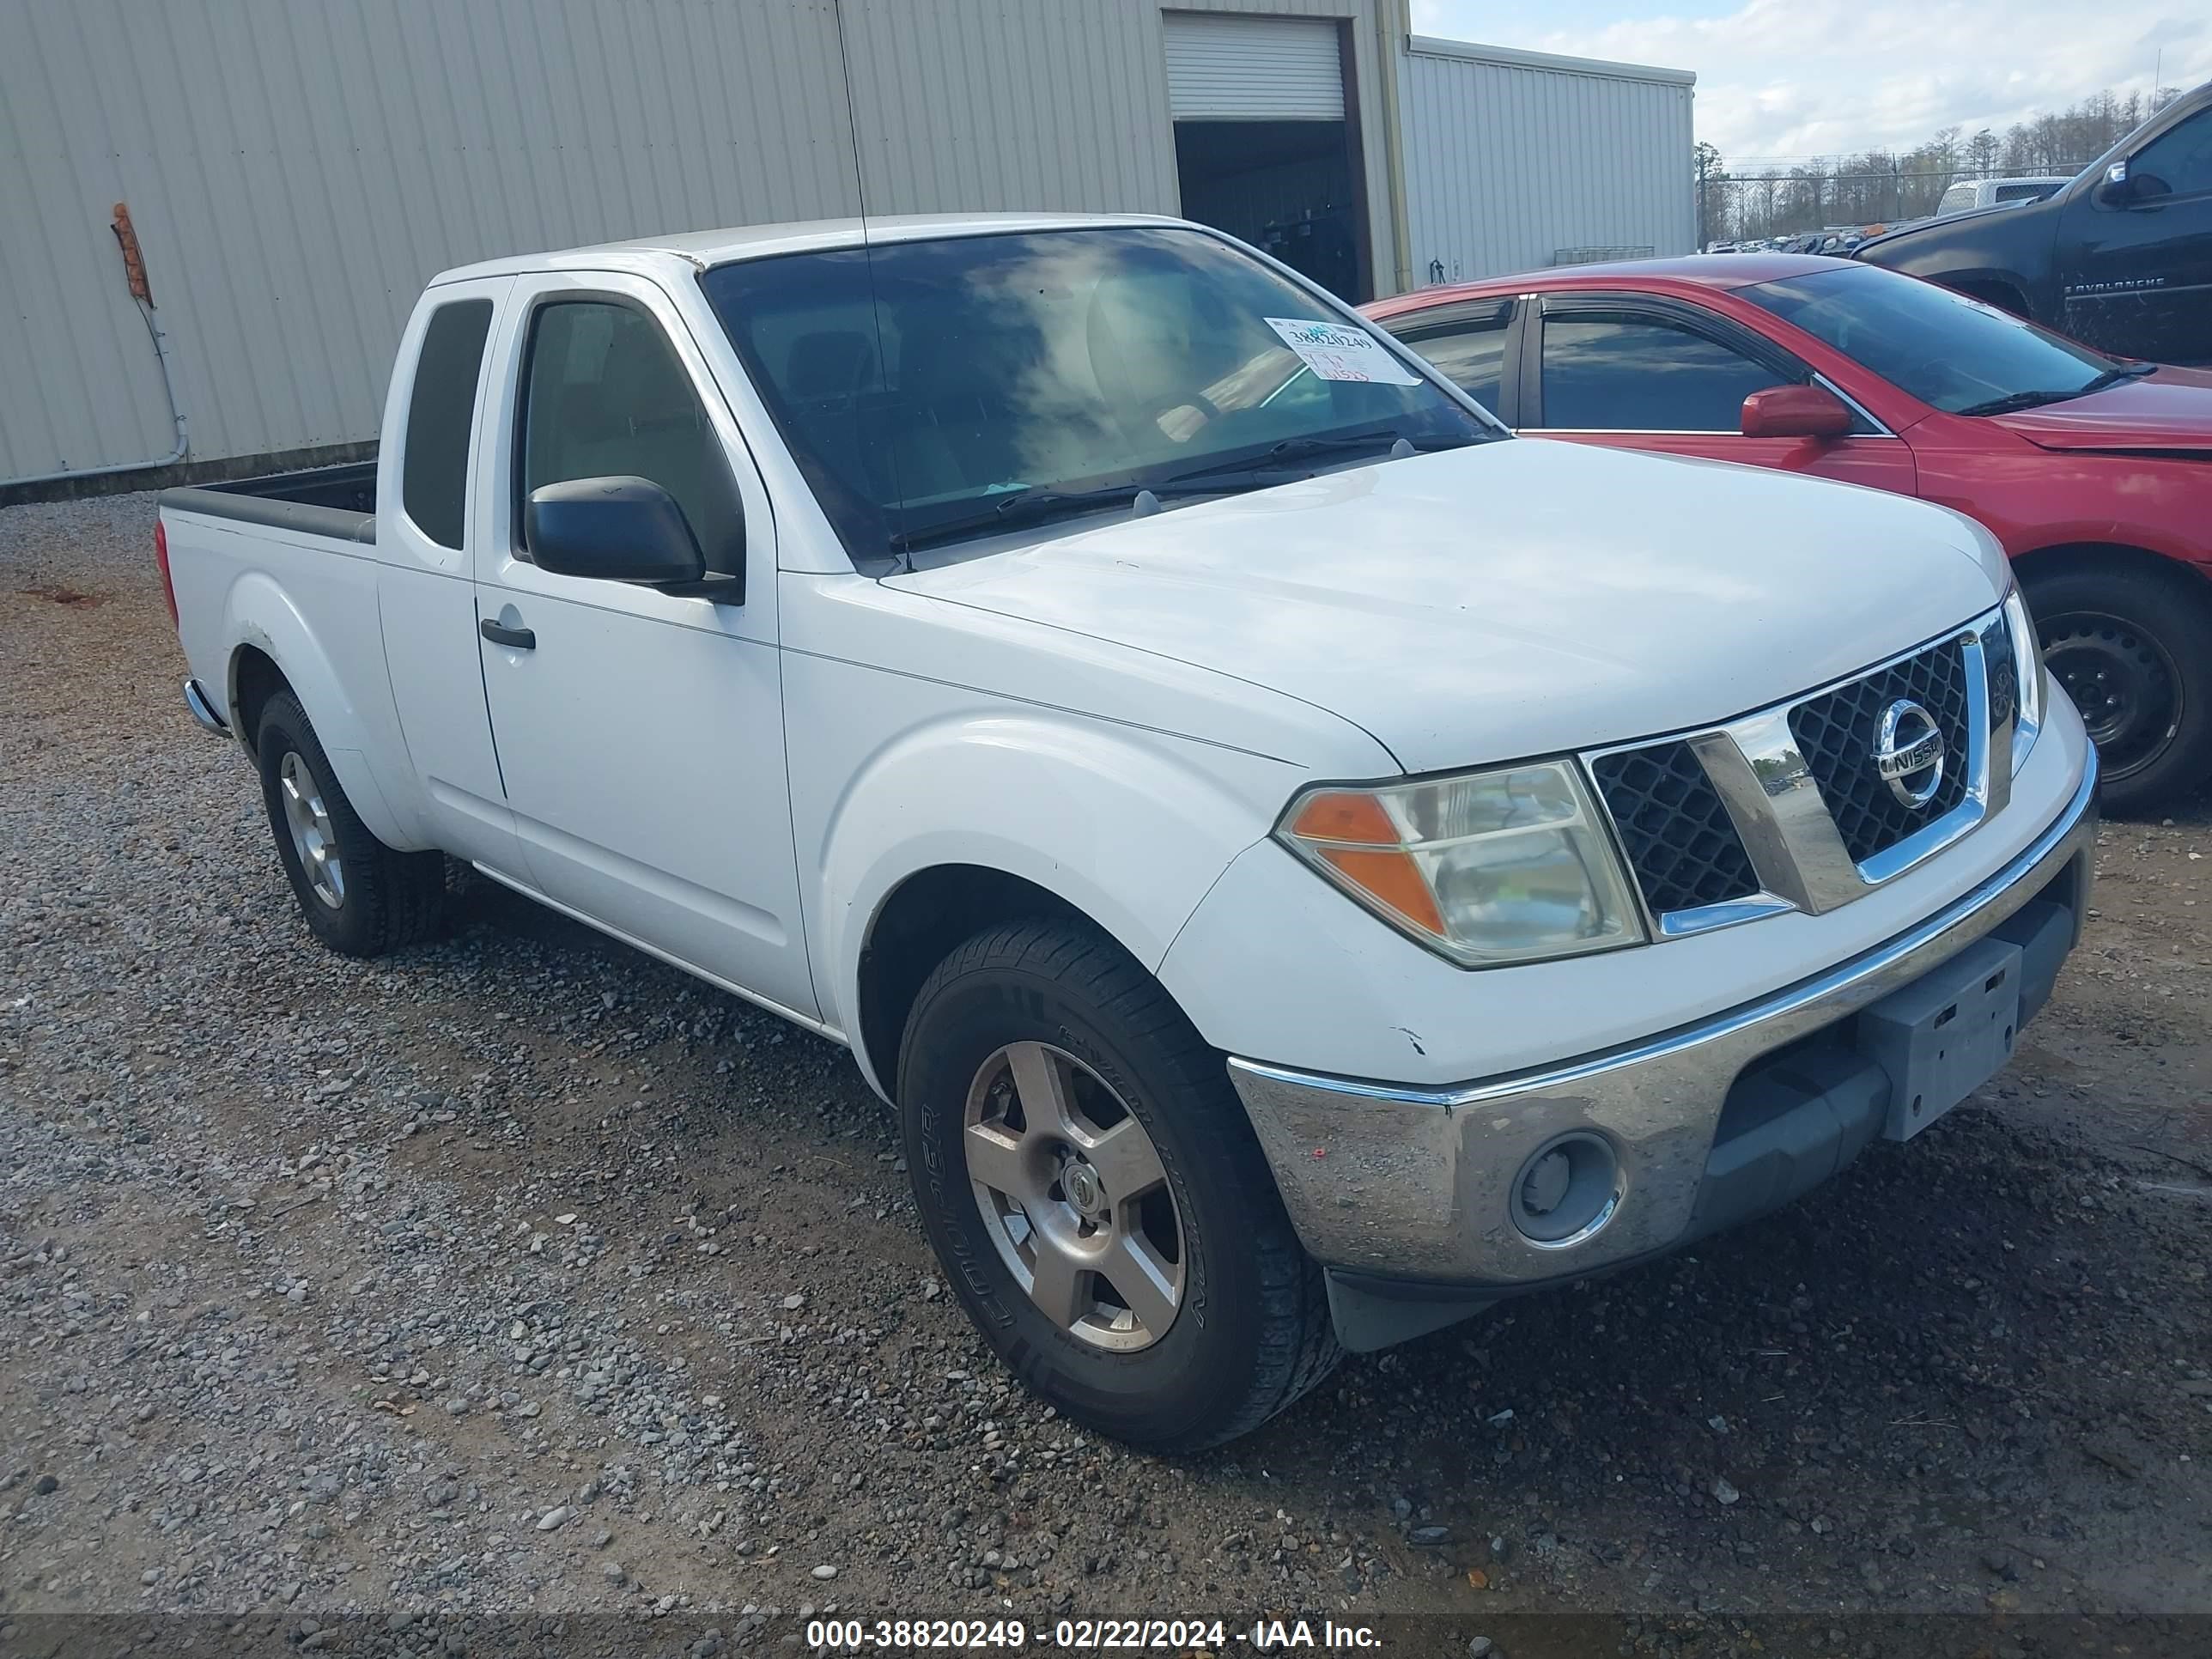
<point>2133,649</point>
<point>1086,1174</point>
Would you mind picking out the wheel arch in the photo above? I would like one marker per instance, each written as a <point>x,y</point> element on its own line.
<point>959,823</point>
<point>275,649</point>
<point>2000,288</point>
<point>2089,558</point>
<point>255,677</point>
<point>919,923</point>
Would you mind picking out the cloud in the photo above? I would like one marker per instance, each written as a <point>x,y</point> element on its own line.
<point>1790,78</point>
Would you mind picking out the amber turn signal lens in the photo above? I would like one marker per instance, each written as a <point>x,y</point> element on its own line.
<point>1346,818</point>
<point>1391,879</point>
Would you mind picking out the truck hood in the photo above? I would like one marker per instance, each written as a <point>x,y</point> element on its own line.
<point>2171,409</point>
<point>1944,220</point>
<point>1513,599</point>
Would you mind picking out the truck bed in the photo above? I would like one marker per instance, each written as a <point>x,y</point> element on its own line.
<point>339,502</point>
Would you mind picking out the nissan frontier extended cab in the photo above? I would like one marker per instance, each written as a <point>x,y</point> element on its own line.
<point>1303,863</point>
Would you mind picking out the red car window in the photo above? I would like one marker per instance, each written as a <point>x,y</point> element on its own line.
<point>1641,375</point>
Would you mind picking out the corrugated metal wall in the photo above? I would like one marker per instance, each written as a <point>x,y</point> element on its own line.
<point>1512,157</point>
<point>982,106</point>
<point>297,168</point>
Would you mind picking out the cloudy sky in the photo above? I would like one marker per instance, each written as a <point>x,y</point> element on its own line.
<point>1787,78</point>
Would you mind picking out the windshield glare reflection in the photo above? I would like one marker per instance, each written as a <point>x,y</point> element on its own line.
<point>923,384</point>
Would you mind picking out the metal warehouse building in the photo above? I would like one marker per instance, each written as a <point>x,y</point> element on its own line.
<point>292,171</point>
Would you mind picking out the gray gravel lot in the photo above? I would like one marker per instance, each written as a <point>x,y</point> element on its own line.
<point>521,1275</point>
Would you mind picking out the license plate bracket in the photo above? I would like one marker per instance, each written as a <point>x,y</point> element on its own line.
<point>1945,1035</point>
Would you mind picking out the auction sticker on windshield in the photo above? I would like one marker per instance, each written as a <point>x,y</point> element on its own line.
<point>1336,352</point>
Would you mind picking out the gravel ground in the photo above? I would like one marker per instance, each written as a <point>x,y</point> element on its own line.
<point>519,1289</point>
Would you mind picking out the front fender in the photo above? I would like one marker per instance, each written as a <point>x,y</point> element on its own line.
<point>258,612</point>
<point>1996,247</point>
<point>1130,827</point>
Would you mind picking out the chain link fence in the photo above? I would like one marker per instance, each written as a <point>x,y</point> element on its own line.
<point>1753,206</point>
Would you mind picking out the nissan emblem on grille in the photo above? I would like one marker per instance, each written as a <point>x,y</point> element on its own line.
<point>1908,752</point>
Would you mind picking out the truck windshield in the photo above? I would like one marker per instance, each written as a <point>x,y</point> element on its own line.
<point>1957,354</point>
<point>941,389</point>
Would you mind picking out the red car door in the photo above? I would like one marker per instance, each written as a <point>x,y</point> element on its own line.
<point>1634,371</point>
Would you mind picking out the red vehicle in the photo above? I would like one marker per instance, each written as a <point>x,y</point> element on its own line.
<point>2094,471</point>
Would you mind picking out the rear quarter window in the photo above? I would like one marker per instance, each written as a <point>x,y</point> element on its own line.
<point>434,484</point>
<point>1469,350</point>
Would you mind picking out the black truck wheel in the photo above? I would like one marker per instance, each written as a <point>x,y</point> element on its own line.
<point>2133,649</point>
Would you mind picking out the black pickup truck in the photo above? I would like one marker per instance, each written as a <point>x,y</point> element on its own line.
<point>2121,258</point>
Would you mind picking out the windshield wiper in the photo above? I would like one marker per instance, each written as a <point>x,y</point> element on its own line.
<point>2118,373</point>
<point>1015,508</point>
<point>2015,400</point>
<point>1293,450</point>
<point>2012,400</point>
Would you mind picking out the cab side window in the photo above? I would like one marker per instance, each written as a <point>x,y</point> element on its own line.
<point>433,477</point>
<point>1638,375</point>
<point>2176,163</point>
<point>605,395</point>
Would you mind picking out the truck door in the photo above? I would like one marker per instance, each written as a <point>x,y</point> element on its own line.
<point>640,734</point>
<point>2135,257</point>
<point>429,494</point>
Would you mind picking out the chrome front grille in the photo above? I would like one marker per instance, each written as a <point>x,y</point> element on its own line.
<point>2003,673</point>
<point>1677,833</point>
<point>1836,733</point>
<point>1813,803</point>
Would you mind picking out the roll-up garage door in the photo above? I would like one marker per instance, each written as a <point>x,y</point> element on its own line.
<point>1253,68</point>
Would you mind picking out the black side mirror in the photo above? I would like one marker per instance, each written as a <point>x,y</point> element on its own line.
<point>621,529</point>
<point>2120,188</point>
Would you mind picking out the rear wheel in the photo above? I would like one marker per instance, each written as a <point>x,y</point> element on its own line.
<point>1086,1174</point>
<point>361,898</point>
<point>2133,649</point>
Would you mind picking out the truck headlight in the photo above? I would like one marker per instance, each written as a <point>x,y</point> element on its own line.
<point>1489,868</point>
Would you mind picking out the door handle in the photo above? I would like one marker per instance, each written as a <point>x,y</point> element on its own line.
<point>517,639</point>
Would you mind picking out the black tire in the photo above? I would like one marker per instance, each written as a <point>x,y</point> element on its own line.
<point>387,899</point>
<point>2149,633</point>
<point>1253,1331</point>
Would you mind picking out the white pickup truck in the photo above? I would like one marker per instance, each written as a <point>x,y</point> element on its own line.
<point>1303,863</point>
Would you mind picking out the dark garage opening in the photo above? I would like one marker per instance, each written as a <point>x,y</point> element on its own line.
<point>1288,186</point>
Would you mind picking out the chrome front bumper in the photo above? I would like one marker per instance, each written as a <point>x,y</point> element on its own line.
<point>1415,1184</point>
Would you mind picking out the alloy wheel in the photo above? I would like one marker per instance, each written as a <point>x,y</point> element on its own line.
<point>312,838</point>
<point>1074,1197</point>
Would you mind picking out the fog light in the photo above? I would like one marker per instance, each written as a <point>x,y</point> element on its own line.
<point>1567,1190</point>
